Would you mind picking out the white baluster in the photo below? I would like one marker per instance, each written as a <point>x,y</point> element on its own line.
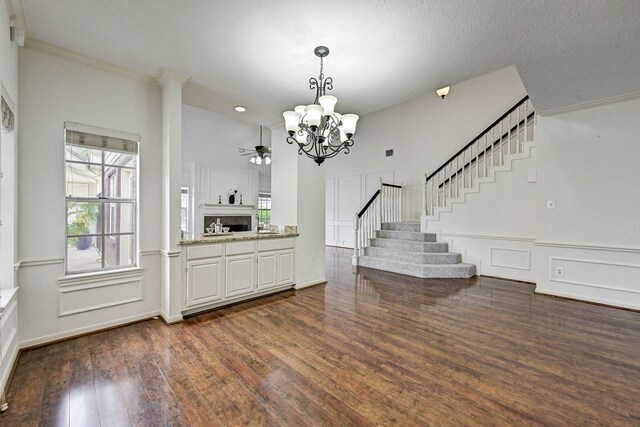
<point>518,130</point>
<point>356,237</point>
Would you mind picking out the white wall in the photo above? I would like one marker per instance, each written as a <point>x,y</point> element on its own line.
<point>8,55</point>
<point>54,90</point>
<point>297,198</point>
<point>284,180</point>
<point>346,195</point>
<point>588,165</point>
<point>9,331</point>
<point>426,131</point>
<point>212,140</point>
<point>495,228</point>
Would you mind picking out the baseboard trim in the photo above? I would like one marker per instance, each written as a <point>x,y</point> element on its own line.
<point>171,320</point>
<point>506,278</point>
<point>10,377</point>
<point>310,284</point>
<point>87,330</point>
<point>585,301</point>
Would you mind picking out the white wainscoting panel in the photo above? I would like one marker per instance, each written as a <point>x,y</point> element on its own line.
<point>519,259</point>
<point>8,335</point>
<point>590,273</point>
<point>508,257</point>
<point>346,195</point>
<point>349,196</point>
<point>81,298</point>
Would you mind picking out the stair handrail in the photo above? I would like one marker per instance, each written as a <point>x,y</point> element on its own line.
<point>488,148</point>
<point>480,135</point>
<point>385,205</point>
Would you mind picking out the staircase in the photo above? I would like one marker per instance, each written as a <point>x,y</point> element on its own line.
<point>401,248</point>
<point>384,242</point>
<point>507,139</point>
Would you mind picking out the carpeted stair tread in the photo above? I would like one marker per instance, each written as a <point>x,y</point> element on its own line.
<point>414,257</point>
<point>460,270</point>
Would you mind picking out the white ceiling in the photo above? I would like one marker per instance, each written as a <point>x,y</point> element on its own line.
<point>260,53</point>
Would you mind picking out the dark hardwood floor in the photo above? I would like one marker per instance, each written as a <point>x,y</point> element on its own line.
<point>368,349</point>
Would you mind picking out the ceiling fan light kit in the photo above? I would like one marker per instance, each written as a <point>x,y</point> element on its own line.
<point>317,129</point>
<point>260,155</point>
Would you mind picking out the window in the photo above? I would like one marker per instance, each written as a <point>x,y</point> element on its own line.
<point>184,210</point>
<point>101,198</point>
<point>264,211</point>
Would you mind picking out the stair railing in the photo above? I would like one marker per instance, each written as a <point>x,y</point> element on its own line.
<point>384,206</point>
<point>505,136</point>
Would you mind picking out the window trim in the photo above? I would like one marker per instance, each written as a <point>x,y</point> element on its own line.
<point>102,271</point>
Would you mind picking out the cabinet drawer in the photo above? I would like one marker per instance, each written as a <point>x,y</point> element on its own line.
<point>237,248</point>
<point>204,251</point>
<point>275,244</point>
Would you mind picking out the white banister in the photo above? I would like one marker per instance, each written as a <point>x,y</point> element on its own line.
<point>384,206</point>
<point>438,187</point>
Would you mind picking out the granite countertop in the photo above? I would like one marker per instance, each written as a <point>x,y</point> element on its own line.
<point>237,236</point>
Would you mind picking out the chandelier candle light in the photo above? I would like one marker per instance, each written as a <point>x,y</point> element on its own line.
<point>319,131</point>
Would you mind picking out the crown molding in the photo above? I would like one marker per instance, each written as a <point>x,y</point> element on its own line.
<point>167,75</point>
<point>16,14</point>
<point>82,59</point>
<point>590,104</point>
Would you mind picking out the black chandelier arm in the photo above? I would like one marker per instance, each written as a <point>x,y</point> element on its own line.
<point>327,84</point>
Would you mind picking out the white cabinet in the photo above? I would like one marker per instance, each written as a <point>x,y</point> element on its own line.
<point>204,281</point>
<point>240,275</point>
<point>223,273</point>
<point>285,267</point>
<point>267,276</point>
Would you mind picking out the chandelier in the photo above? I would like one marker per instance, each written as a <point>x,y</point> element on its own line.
<point>317,130</point>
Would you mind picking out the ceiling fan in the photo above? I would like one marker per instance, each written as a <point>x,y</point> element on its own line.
<point>259,155</point>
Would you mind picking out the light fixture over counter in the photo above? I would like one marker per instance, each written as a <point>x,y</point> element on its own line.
<point>319,131</point>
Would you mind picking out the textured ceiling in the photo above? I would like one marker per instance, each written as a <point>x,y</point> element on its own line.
<point>260,53</point>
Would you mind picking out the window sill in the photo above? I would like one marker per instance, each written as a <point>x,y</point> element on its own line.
<point>98,276</point>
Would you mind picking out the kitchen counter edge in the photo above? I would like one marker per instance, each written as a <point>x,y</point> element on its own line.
<point>236,238</point>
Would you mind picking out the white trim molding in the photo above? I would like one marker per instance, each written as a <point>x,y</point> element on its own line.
<point>587,246</point>
<point>92,278</point>
<point>87,329</point>
<point>76,57</point>
<point>300,286</point>
<point>151,252</point>
<point>40,262</point>
<point>170,254</point>
<point>134,290</point>
<point>597,273</point>
<point>590,104</point>
<point>485,236</point>
<point>527,267</point>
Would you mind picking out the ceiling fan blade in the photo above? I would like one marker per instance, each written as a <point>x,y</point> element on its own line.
<point>248,154</point>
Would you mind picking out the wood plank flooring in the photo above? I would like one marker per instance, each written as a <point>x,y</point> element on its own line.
<point>372,348</point>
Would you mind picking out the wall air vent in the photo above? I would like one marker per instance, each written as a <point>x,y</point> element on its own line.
<point>389,153</point>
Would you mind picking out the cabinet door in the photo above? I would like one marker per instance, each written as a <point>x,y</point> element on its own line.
<point>267,277</point>
<point>241,275</point>
<point>204,281</point>
<point>285,267</point>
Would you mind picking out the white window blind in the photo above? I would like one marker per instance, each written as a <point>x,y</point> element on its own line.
<point>105,139</point>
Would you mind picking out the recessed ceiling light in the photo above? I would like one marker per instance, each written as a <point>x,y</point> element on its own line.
<point>240,108</point>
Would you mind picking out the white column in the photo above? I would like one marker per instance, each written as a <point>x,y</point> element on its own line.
<point>171,298</point>
<point>9,202</point>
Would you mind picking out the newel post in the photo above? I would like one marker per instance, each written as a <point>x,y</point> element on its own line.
<point>356,228</point>
<point>424,196</point>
